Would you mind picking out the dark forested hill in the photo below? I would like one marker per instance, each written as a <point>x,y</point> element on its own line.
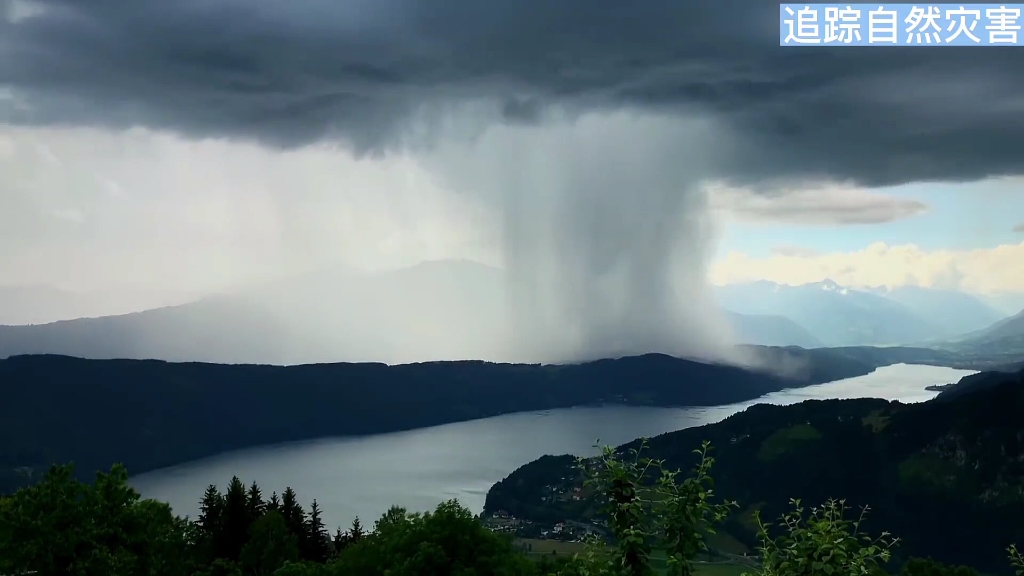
<point>928,471</point>
<point>149,414</point>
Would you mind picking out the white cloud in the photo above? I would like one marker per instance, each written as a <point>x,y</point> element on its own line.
<point>19,10</point>
<point>988,270</point>
<point>791,250</point>
<point>153,209</point>
<point>822,205</point>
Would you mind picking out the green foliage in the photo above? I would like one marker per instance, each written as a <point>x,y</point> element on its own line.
<point>315,544</point>
<point>943,475</point>
<point>303,569</point>
<point>449,540</point>
<point>270,545</point>
<point>649,509</point>
<point>63,526</point>
<point>220,567</point>
<point>823,543</point>
<point>929,567</point>
<point>786,440</point>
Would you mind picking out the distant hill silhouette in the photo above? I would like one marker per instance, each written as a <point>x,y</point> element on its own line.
<point>954,312</point>
<point>1005,336</point>
<point>768,330</point>
<point>443,310</point>
<point>150,414</point>
<point>41,304</point>
<point>214,329</point>
<point>840,316</point>
<point>1007,303</point>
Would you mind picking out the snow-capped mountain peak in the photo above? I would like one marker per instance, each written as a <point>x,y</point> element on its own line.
<point>830,285</point>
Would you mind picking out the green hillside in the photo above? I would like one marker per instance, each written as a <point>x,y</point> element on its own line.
<point>946,475</point>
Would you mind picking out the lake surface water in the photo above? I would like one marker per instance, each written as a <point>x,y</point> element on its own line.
<point>417,469</point>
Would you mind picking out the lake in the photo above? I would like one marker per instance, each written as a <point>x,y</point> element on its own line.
<point>417,469</point>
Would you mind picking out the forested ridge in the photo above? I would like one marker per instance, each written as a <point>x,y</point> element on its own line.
<point>61,526</point>
<point>947,475</point>
<point>151,414</point>
<point>963,500</point>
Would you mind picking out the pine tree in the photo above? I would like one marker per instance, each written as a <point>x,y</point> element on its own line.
<point>236,519</point>
<point>356,533</point>
<point>211,522</point>
<point>340,541</point>
<point>254,503</point>
<point>317,539</point>
<point>274,503</point>
<point>294,516</point>
<point>211,509</point>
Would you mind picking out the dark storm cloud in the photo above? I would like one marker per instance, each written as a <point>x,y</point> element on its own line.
<point>377,72</point>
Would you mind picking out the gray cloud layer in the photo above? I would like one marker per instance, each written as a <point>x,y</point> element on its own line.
<point>828,206</point>
<point>384,73</point>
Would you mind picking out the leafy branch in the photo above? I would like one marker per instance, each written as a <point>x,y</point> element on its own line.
<point>824,542</point>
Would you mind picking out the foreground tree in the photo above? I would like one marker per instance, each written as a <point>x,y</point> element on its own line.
<point>236,520</point>
<point>651,512</point>
<point>449,540</point>
<point>219,567</point>
<point>294,515</point>
<point>63,526</point>
<point>270,545</point>
<point>356,531</point>
<point>254,502</point>
<point>304,569</point>
<point>929,567</point>
<point>317,540</point>
<point>823,542</point>
<point>649,509</point>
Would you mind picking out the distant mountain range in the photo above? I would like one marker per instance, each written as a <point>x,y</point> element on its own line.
<point>951,311</point>
<point>1005,336</point>
<point>769,330</point>
<point>458,310</point>
<point>40,304</point>
<point>435,310</point>
<point>1007,303</point>
<point>840,316</point>
<point>432,311</point>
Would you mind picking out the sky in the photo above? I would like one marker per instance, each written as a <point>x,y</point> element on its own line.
<point>209,215</point>
<point>963,236</point>
<point>614,158</point>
